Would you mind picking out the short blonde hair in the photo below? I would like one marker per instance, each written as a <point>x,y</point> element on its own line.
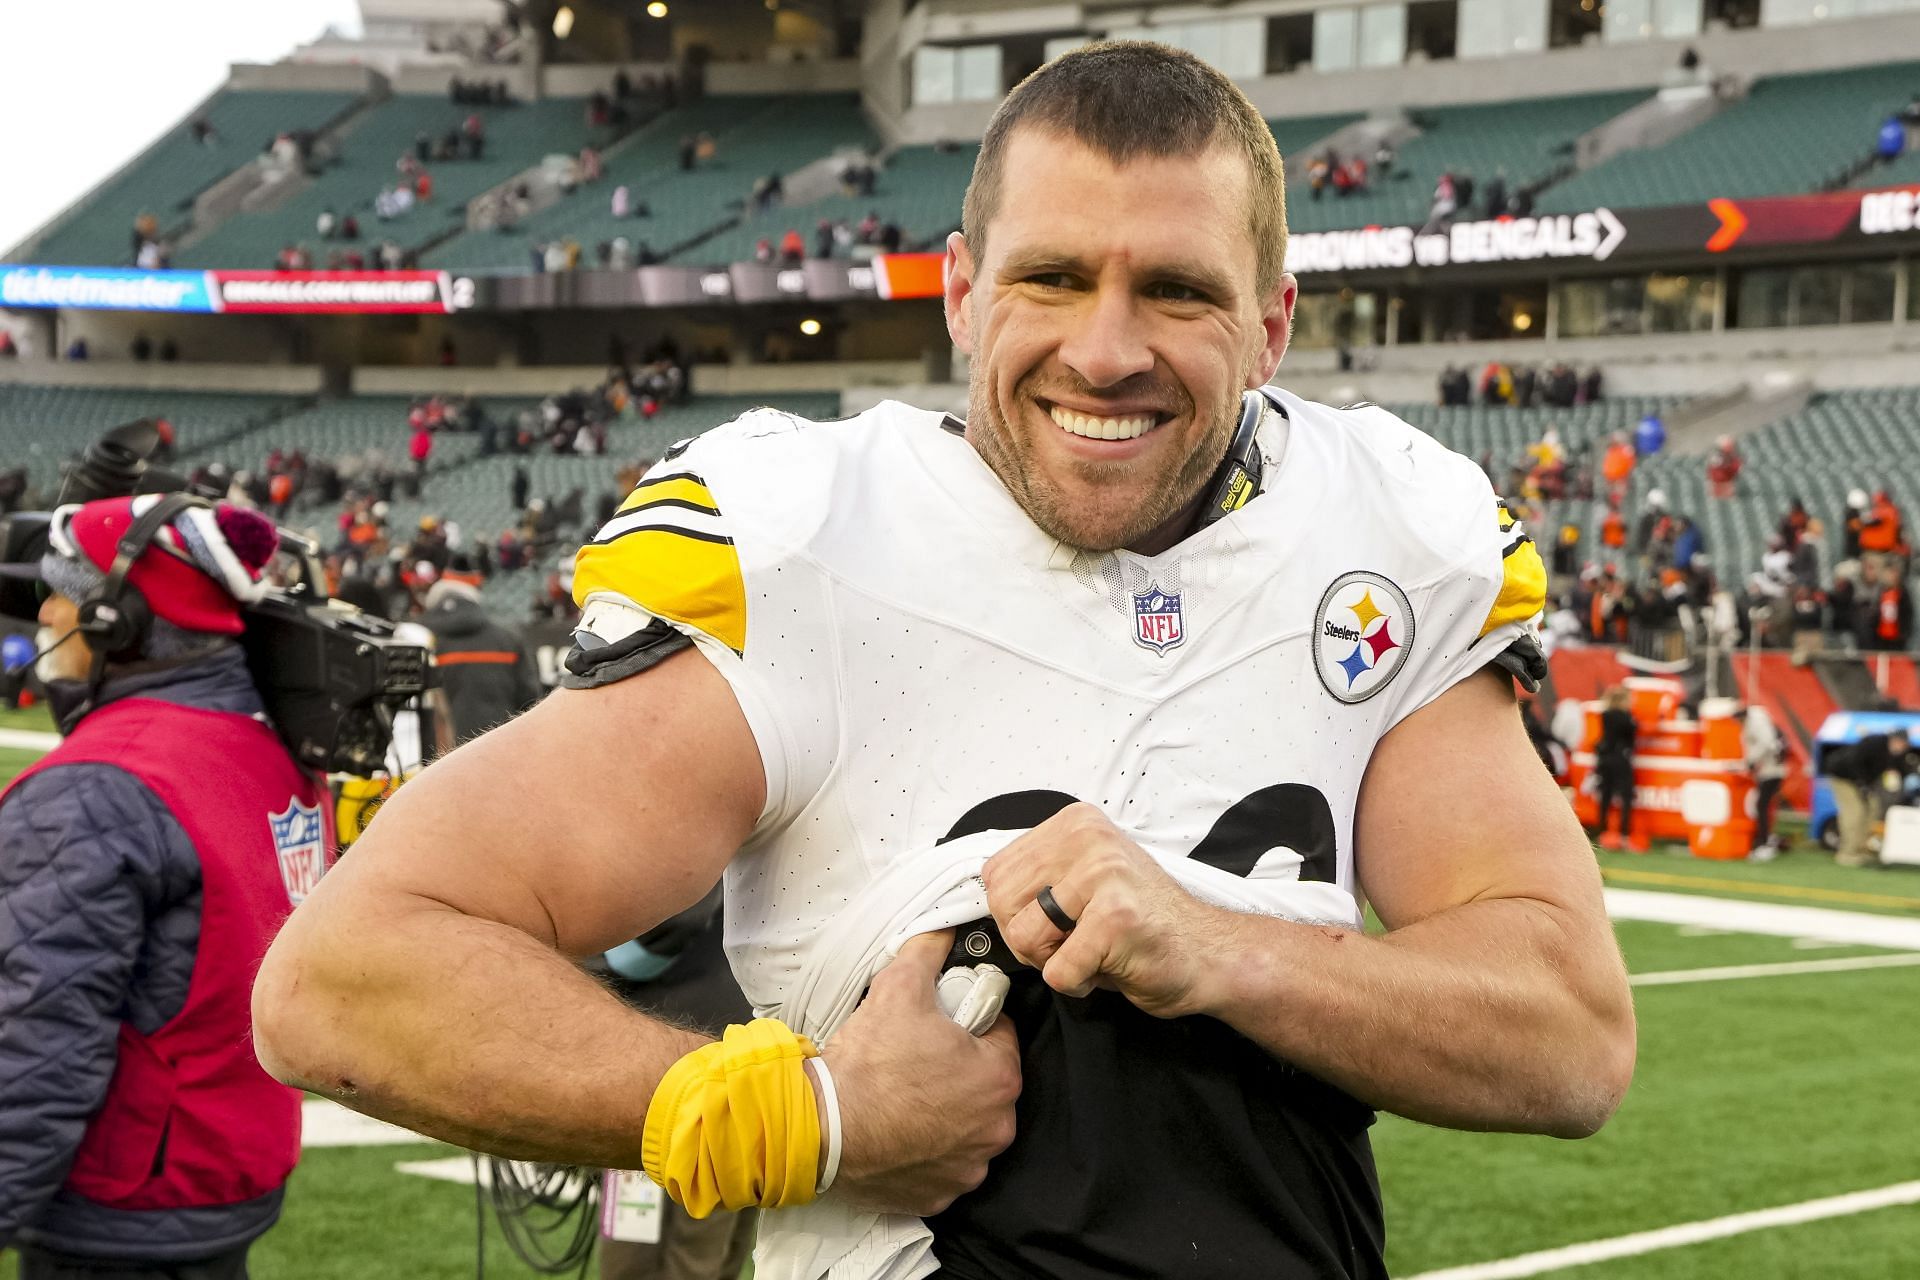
<point>1129,98</point>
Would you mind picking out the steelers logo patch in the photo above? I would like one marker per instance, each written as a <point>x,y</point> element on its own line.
<point>1362,634</point>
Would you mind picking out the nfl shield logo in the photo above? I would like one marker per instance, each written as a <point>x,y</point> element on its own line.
<point>300,839</point>
<point>1157,623</point>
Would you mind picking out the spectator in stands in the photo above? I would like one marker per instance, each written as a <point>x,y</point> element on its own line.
<point>1766,756</point>
<point>823,238</point>
<point>349,228</point>
<point>518,489</point>
<point>1616,466</point>
<point>1854,525</point>
<point>1806,550</point>
<point>1320,174</point>
<point>141,348</point>
<point>1343,179</point>
<point>1794,523</point>
<point>486,670</point>
<point>1613,529</point>
<point>1891,141</point>
<point>1592,386</point>
<point>892,238</point>
<point>8,349</point>
<point>1650,436</point>
<point>474,131</point>
<point>169,351</point>
<point>1496,194</point>
<point>792,248</point>
<point>1526,384</point>
<point>423,186</point>
<point>1881,536</point>
<point>1723,468</point>
<point>203,131</point>
<point>1383,159</point>
<point>591,168</point>
<point>1689,543</point>
<point>1496,384</point>
<point>688,149</point>
<point>1446,201</point>
<point>77,349</point>
<point>1613,770</point>
<point>152,256</point>
<point>423,147</point>
<point>326,224</point>
<point>1653,513</point>
<point>1892,630</point>
<point>1855,771</point>
<point>622,203</point>
<point>1844,605</point>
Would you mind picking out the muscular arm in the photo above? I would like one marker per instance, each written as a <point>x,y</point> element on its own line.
<point>427,980</point>
<point>1497,998</point>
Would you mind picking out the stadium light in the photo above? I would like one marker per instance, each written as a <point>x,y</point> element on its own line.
<point>563,22</point>
<point>810,327</point>
<point>657,9</point>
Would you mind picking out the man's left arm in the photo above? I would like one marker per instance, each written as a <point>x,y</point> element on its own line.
<point>1496,1000</point>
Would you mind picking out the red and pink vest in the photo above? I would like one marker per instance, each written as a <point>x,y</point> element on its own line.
<point>190,1118</point>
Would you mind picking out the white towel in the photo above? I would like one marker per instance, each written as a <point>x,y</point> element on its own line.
<point>920,893</point>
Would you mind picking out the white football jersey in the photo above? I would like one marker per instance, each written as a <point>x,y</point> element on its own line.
<point>916,657</point>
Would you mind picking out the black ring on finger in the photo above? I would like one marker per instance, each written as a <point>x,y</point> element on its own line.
<point>1054,911</point>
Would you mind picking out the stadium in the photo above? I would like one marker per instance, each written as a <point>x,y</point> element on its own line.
<point>438,294</point>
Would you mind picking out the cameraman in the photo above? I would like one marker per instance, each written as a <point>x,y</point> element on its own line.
<point>145,864</point>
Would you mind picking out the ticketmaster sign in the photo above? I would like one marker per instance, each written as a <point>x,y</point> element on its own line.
<point>105,287</point>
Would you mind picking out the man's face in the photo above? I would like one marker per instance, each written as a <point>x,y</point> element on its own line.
<point>1113,322</point>
<point>70,660</point>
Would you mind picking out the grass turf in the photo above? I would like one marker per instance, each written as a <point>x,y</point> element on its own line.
<point>1808,876</point>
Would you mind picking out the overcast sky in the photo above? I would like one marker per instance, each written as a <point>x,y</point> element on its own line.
<point>89,83</point>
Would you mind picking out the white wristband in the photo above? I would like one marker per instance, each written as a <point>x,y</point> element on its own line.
<point>831,1101</point>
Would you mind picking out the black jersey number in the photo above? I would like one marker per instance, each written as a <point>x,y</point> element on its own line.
<point>1292,815</point>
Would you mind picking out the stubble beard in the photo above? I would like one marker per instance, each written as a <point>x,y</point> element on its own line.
<point>1008,451</point>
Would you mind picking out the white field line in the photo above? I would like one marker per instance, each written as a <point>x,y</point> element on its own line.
<point>1686,1233</point>
<point>28,739</point>
<point>328,1124</point>
<point>1854,928</point>
<point>452,1169</point>
<point>1785,968</point>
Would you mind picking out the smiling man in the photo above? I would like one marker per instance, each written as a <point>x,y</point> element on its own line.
<point>1120,659</point>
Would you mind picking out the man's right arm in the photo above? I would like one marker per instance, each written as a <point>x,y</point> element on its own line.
<point>427,980</point>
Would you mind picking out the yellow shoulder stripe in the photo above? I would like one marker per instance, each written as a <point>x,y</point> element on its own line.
<point>1523,586</point>
<point>674,574</point>
<point>684,488</point>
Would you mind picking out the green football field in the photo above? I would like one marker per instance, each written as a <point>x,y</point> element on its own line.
<point>1759,1093</point>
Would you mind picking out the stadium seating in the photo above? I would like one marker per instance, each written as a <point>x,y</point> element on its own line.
<point>1528,138</point>
<point>1506,432</point>
<point>1841,440</point>
<point>517,138</point>
<point>1787,135</point>
<point>753,136</point>
<point>920,190</point>
<point>165,179</point>
<point>41,427</point>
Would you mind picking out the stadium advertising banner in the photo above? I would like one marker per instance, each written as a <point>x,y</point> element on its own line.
<point>106,288</point>
<point>241,292</point>
<point>1608,235</point>
<point>312,292</point>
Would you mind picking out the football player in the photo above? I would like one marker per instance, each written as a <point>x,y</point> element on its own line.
<point>1123,609</point>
